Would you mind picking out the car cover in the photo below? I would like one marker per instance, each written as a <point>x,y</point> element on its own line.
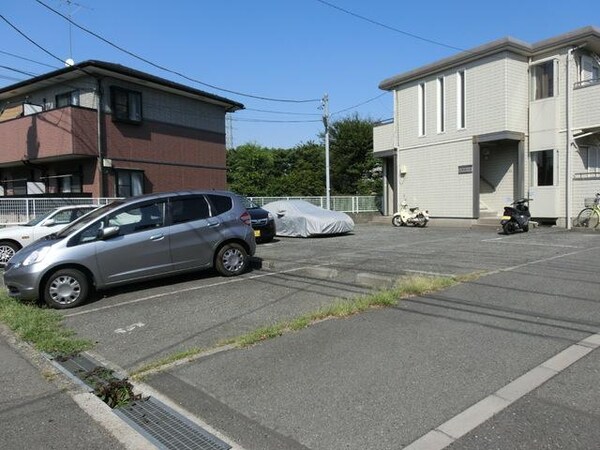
<point>299,218</point>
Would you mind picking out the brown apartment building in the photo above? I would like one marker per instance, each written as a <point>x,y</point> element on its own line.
<point>148,135</point>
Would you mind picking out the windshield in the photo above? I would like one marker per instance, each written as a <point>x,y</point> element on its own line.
<point>38,219</point>
<point>87,219</point>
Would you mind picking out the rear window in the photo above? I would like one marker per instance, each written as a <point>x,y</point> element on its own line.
<point>221,203</point>
<point>187,209</point>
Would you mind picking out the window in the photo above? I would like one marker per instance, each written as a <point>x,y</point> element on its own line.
<point>591,158</point>
<point>70,98</point>
<point>220,203</point>
<point>130,183</point>
<point>422,109</point>
<point>441,105</point>
<point>543,80</point>
<point>542,169</point>
<point>139,218</point>
<point>69,184</point>
<point>590,71</point>
<point>460,100</point>
<point>126,105</point>
<point>187,209</point>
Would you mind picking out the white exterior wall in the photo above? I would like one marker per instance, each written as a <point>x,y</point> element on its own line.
<point>496,100</point>
<point>432,181</point>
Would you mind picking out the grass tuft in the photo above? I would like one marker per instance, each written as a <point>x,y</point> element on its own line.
<point>405,287</point>
<point>41,327</point>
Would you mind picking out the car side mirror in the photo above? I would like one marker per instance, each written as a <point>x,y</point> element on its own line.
<point>49,222</point>
<point>108,232</point>
<point>281,213</point>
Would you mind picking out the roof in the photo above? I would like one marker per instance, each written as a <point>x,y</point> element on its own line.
<point>589,36</point>
<point>102,68</point>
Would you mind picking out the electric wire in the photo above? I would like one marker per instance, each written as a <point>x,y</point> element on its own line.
<point>27,59</point>
<point>22,72</point>
<point>246,119</point>
<point>112,44</point>
<point>14,27</point>
<point>358,105</point>
<point>282,112</point>
<point>374,22</point>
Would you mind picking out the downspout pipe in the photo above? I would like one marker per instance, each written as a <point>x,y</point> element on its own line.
<point>570,143</point>
<point>99,138</point>
<point>397,175</point>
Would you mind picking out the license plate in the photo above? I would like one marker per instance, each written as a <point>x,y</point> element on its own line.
<point>505,218</point>
<point>256,233</point>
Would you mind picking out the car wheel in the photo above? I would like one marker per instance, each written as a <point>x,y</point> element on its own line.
<point>7,251</point>
<point>66,288</point>
<point>231,260</point>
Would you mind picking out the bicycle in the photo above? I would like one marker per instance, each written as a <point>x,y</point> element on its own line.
<point>589,217</point>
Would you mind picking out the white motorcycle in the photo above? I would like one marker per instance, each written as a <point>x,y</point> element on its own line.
<point>410,216</point>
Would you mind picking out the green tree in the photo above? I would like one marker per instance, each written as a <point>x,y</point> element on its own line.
<point>305,174</point>
<point>250,170</point>
<point>354,169</point>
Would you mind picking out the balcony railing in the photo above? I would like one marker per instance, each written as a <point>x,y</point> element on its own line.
<point>57,132</point>
<point>383,137</point>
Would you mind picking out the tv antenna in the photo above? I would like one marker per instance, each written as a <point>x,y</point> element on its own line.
<point>72,9</point>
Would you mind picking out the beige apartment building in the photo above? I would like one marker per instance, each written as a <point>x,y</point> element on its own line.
<point>475,131</point>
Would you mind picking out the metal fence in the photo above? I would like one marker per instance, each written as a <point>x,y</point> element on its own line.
<point>348,204</point>
<point>16,211</point>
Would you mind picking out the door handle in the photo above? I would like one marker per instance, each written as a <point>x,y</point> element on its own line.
<point>157,237</point>
<point>214,224</point>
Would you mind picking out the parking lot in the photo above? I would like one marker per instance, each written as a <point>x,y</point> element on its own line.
<point>377,380</point>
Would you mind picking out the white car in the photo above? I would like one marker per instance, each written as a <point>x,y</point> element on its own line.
<point>13,239</point>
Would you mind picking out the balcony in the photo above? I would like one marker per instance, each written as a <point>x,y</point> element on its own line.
<point>383,138</point>
<point>586,104</point>
<point>63,132</point>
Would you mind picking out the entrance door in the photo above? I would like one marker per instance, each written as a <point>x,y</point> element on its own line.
<point>544,186</point>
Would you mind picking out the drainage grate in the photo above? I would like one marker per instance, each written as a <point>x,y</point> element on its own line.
<point>167,428</point>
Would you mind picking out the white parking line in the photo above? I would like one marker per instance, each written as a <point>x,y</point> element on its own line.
<point>521,243</point>
<point>480,412</point>
<point>181,291</point>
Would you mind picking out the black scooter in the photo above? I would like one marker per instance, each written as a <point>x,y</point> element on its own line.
<point>516,218</point>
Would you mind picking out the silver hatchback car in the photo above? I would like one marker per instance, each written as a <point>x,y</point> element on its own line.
<point>135,239</point>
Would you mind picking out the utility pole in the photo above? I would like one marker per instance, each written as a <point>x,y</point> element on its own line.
<point>325,104</point>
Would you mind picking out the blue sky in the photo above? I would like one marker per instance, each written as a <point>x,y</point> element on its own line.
<point>282,49</point>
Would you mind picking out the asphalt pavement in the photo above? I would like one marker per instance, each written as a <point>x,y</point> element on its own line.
<point>37,411</point>
<point>508,360</point>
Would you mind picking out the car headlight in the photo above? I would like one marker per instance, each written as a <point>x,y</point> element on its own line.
<point>36,256</point>
<point>270,216</point>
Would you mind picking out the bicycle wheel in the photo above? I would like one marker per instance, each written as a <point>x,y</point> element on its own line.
<point>594,219</point>
<point>585,217</point>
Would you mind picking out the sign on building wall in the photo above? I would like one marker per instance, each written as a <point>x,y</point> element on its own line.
<point>465,169</point>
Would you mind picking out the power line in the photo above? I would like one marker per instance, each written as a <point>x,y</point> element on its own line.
<point>236,119</point>
<point>29,39</point>
<point>360,104</point>
<point>282,112</point>
<point>374,22</point>
<point>18,71</point>
<point>112,44</point>
<point>27,59</point>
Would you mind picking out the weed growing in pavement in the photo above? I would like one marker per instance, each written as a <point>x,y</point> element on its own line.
<point>41,327</point>
<point>404,287</point>
<point>139,374</point>
<point>113,391</point>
